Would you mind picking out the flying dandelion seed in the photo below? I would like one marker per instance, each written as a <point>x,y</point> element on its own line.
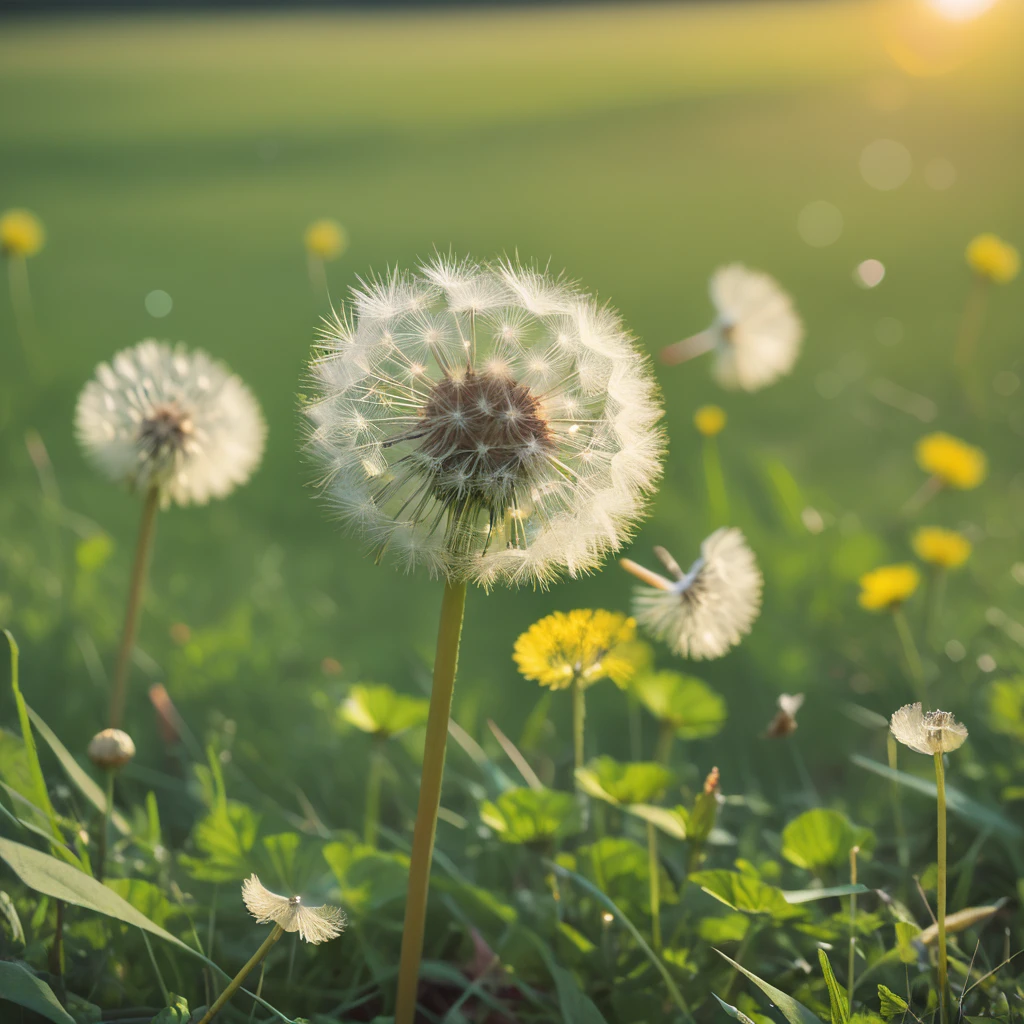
<point>314,924</point>
<point>756,335</point>
<point>705,611</point>
<point>489,423</point>
<point>784,723</point>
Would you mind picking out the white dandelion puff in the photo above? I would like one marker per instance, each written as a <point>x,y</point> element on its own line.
<point>164,417</point>
<point>314,924</point>
<point>701,613</point>
<point>756,334</point>
<point>489,422</point>
<point>927,732</point>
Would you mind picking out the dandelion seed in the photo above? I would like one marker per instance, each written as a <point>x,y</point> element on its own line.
<point>952,462</point>
<point>170,419</point>
<point>756,335</point>
<point>517,439</point>
<point>887,587</point>
<point>945,549</point>
<point>703,612</point>
<point>314,924</point>
<point>784,723</point>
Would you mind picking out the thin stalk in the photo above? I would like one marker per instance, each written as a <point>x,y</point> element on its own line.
<point>104,839</point>
<point>21,303</point>
<point>896,793</point>
<point>718,498</point>
<point>971,323</point>
<point>851,970</point>
<point>923,495</point>
<point>136,589</point>
<point>635,727</point>
<point>317,275</point>
<point>655,886</point>
<point>259,990</point>
<point>56,953</point>
<point>373,781</point>
<point>445,663</point>
<point>236,981</point>
<point>940,908</point>
<point>663,746</point>
<point>156,969</point>
<point>579,715</point>
<point>745,945</point>
<point>911,655</point>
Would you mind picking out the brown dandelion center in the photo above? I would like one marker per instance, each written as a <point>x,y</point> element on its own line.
<point>482,431</point>
<point>165,431</point>
<point>294,901</point>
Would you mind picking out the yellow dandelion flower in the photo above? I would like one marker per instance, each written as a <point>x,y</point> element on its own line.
<point>709,420</point>
<point>325,239</point>
<point>944,548</point>
<point>21,233</point>
<point>954,462</point>
<point>992,258</point>
<point>887,587</point>
<point>582,645</point>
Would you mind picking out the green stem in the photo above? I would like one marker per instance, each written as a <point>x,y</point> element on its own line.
<point>136,589</point>
<point>104,838</point>
<point>21,303</point>
<point>936,596</point>
<point>896,792</point>
<point>911,656</point>
<point>579,715</point>
<point>718,498</point>
<point>663,746</point>
<point>653,865</point>
<point>55,956</point>
<point>445,663</point>
<point>851,970</point>
<point>635,727</point>
<point>940,909</point>
<point>373,781</point>
<point>971,324</point>
<point>745,945</point>
<point>236,981</point>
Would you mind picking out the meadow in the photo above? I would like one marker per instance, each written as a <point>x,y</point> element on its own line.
<point>639,148</point>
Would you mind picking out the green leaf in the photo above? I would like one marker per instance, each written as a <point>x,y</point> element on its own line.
<point>1006,707</point>
<point>745,893</point>
<point>148,899</point>
<point>836,997</point>
<point>822,838</point>
<point>798,896</point>
<point>725,928</point>
<point>794,1012</point>
<point>93,552</point>
<point>574,1003</point>
<point>77,774</point>
<point>956,801</point>
<point>688,704</point>
<point>225,837</point>
<point>524,815</point>
<point>733,1011</point>
<point>890,1004</point>
<point>368,878</point>
<point>621,869</point>
<point>906,933</point>
<point>176,1013</point>
<point>617,782</point>
<point>10,914</point>
<point>19,985</point>
<point>377,709</point>
<point>52,877</point>
<point>671,821</point>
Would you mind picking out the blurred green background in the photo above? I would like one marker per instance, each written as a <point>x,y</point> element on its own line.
<point>638,147</point>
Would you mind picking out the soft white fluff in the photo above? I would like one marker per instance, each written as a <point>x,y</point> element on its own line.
<point>702,613</point>
<point>170,418</point>
<point>757,333</point>
<point>489,422</point>
<point>927,732</point>
<point>314,924</point>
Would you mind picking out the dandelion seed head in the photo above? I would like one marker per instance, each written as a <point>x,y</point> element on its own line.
<point>947,549</point>
<point>111,749</point>
<point>21,233</point>
<point>927,732</point>
<point>757,332</point>
<point>483,420</point>
<point>887,587</point>
<point>582,645</point>
<point>703,612</point>
<point>956,463</point>
<point>992,258</point>
<point>173,419</point>
<point>325,239</point>
<point>314,924</point>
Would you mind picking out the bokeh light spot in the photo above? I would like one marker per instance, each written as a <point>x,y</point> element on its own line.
<point>885,164</point>
<point>869,273</point>
<point>961,10</point>
<point>955,650</point>
<point>820,223</point>
<point>939,174</point>
<point>986,663</point>
<point>159,303</point>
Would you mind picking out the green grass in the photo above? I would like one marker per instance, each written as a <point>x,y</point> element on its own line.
<point>636,147</point>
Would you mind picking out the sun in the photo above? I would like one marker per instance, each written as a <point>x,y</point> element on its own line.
<point>961,10</point>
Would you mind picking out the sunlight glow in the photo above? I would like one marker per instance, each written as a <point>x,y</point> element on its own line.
<point>961,10</point>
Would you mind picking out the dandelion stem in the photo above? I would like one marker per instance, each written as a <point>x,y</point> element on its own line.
<point>663,746</point>
<point>940,909</point>
<point>911,656</point>
<point>21,303</point>
<point>579,715</point>
<point>971,323</point>
<point>137,587</point>
<point>445,663</point>
<point>104,839</point>
<point>317,275</point>
<point>236,981</point>
<point>373,780</point>
<point>852,964</point>
<point>718,499</point>
<point>635,727</point>
<point>922,495</point>
<point>903,847</point>
<point>655,886</point>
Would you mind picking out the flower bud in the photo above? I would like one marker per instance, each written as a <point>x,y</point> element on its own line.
<point>111,749</point>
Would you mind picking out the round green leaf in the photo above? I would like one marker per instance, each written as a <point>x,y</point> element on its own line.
<point>377,709</point>
<point>686,703</point>
<point>531,815</point>
<point>633,782</point>
<point>823,838</point>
